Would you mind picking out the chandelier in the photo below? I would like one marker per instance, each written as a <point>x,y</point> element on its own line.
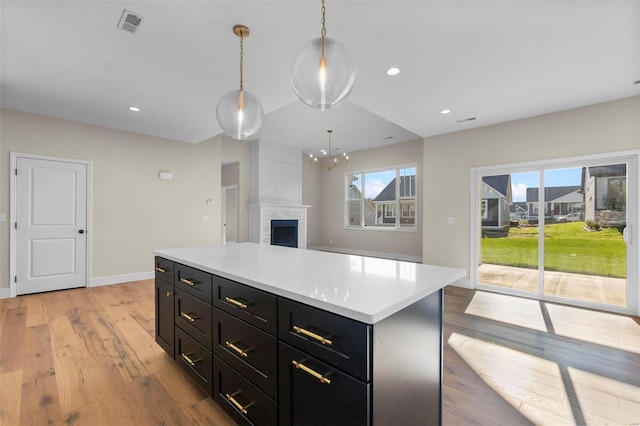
<point>239,113</point>
<point>322,73</point>
<point>328,161</point>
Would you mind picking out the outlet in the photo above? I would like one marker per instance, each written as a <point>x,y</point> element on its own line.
<point>205,218</point>
<point>451,220</point>
<point>3,217</point>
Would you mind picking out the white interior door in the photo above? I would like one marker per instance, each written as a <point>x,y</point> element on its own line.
<point>230,213</point>
<point>51,224</point>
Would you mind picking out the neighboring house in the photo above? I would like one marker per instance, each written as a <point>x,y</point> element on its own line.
<point>355,195</point>
<point>495,202</point>
<point>518,211</point>
<point>558,201</point>
<point>385,202</point>
<point>604,188</point>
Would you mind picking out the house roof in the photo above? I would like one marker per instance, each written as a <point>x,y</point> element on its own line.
<point>518,206</point>
<point>499,182</point>
<point>389,192</point>
<point>551,193</point>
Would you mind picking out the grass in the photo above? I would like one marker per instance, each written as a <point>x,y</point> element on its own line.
<point>567,246</point>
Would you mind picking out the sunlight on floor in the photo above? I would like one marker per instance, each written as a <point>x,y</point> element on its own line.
<point>500,368</point>
<point>624,332</point>
<point>594,393</point>
<point>513,310</point>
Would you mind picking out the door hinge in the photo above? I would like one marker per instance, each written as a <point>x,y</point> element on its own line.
<point>16,172</point>
<point>15,225</point>
<point>15,279</point>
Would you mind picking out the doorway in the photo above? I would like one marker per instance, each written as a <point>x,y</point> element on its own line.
<point>569,242</point>
<point>229,214</point>
<point>50,239</point>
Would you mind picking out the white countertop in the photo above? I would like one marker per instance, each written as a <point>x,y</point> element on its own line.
<point>362,288</point>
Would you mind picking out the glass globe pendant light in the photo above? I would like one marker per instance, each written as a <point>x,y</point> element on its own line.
<point>322,72</point>
<point>239,113</point>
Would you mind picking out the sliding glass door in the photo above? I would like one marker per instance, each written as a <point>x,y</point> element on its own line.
<point>570,241</point>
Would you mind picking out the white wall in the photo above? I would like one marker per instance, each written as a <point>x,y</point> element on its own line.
<point>276,174</point>
<point>240,152</point>
<point>448,159</point>
<point>324,191</point>
<point>133,211</point>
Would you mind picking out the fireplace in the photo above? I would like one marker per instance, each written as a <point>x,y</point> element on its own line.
<point>284,233</point>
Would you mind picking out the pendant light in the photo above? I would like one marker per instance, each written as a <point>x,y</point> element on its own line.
<point>322,72</point>
<point>239,113</point>
<point>328,161</point>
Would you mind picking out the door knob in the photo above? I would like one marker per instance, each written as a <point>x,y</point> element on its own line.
<point>81,231</point>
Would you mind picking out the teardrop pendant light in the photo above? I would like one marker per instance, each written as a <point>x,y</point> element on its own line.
<point>239,113</point>
<point>322,72</point>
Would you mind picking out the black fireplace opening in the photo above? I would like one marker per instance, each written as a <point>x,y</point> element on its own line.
<point>284,233</point>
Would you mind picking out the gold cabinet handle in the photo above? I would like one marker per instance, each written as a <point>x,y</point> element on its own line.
<point>169,293</point>
<point>187,357</point>
<point>313,335</point>
<point>242,352</point>
<point>236,302</point>
<point>189,317</point>
<point>188,282</point>
<point>159,269</point>
<point>242,408</point>
<point>314,373</point>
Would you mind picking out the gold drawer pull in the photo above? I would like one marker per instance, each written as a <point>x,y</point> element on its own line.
<point>189,317</point>
<point>169,293</point>
<point>315,336</point>
<point>188,282</point>
<point>236,302</point>
<point>242,408</point>
<point>192,362</point>
<point>235,348</point>
<point>315,374</point>
<point>162,271</point>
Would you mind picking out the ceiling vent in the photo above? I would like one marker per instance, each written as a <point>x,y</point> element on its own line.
<point>130,22</point>
<point>464,120</point>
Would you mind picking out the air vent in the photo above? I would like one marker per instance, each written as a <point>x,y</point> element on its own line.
<point>130,22</point>
<point>464,120</point>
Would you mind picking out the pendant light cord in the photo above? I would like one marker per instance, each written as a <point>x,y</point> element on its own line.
<point>241,61</point>
<point>323,33</point>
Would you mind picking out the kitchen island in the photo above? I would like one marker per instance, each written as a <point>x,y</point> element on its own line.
<point>284,336</point>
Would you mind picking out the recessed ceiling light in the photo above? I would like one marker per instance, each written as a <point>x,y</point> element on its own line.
<point>134,109</point>
<point>445,111</point>
<point>393,71</point>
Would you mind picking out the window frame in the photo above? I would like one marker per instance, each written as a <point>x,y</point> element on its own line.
<point>398,224</point>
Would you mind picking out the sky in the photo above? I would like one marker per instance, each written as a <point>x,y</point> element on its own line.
<point>555,177</point>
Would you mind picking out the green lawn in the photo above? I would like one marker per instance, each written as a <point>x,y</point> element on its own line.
<point>568,248</point>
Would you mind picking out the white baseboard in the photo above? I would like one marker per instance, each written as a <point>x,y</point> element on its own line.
<point>119,279</point>
<point>5,293</point>
<point>392,256</point>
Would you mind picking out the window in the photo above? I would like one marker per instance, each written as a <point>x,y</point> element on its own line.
<point>374,198</point>
<point>390,210</point>
<point>483,209</point>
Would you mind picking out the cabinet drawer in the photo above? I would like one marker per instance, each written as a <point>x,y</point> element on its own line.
<point>195,359</point>
<point>252,352</point>
<point>339,341</point>
<point>196,283</point>
<point>254,306</point>
<point>244,402</point>
<point>194,316</point>
<point>164,270</point>
<point>314,393</point>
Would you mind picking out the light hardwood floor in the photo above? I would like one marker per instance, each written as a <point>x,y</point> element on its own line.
<point>88,356</point>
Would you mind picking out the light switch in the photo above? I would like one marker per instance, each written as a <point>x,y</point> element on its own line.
<point>205,218</point>
<point>3,217</point>
<point>451,220</point>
